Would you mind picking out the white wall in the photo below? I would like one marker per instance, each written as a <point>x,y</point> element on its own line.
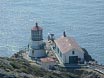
<point>37,53</point>
<point>77,53</point>
<point>46,65</point>
<point>35,44</point>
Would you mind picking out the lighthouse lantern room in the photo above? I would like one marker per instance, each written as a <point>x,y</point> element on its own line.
<point>37,44</point>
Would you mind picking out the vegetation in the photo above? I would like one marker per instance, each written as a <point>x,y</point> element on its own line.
<point>20,68</point>
<point>17,67</point>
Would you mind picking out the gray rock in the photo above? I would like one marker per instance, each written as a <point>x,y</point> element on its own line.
<point>24,75</point>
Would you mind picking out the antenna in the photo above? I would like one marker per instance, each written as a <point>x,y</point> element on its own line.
<point>64,34</point>
<point>36,24</point>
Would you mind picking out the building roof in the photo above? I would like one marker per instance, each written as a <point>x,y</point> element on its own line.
<point>66,44</point>
<point>37,27</point>
<point>47,60</point>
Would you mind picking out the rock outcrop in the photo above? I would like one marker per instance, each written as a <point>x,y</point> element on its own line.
<point>17,67</point>
<point>87,57</point>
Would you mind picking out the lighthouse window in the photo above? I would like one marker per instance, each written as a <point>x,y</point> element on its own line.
<point>39,33</point>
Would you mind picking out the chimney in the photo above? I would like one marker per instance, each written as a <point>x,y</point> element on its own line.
<point>64,34</point>
<point>36,24</point>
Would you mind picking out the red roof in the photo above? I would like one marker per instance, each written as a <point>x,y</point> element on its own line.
<point>37,27</point>
<point>65,44</point>
<point>47,59</point>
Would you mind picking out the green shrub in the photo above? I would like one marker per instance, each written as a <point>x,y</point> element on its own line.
<point>14,65</point>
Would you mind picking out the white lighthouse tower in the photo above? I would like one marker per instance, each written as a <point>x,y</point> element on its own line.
<point>37,45</point>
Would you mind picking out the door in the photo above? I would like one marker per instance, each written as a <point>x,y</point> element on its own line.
<point>73,59</point>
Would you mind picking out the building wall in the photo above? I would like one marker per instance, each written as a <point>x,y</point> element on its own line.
<point>37,53</point>
<point>76,53</point>
<point>36,44</point>
<point>47,65</point>
<point>64,58</point>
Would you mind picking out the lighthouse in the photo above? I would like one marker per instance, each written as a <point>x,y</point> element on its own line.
<point>37,45</point>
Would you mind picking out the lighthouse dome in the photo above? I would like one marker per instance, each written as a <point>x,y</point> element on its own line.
<point>36,28</point>
<point>36,33</point>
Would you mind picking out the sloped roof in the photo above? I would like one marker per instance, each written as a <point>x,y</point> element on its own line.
<point>47,59</point>
<point>66,44</point>
<point>35,28</point>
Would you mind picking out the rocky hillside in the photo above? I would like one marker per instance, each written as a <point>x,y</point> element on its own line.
<point>17,67</point>
<point>21,68</point>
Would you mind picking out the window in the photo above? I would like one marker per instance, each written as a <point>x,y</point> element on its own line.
<point>53,47</point>
<point>73,52</point>
<point>60,54</point>
<point>58,50</point>
<point>32,52</point>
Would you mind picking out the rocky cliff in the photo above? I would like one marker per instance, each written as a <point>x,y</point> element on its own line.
<point>17,67</point>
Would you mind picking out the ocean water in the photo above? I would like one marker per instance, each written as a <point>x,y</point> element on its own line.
<point>82,19</point>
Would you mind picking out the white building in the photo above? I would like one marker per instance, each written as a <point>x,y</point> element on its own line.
<point>37,44</point>
<point>68,51</point>
<point>47,63</point>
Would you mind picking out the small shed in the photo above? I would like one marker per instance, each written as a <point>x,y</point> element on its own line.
<point>47,63</point>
